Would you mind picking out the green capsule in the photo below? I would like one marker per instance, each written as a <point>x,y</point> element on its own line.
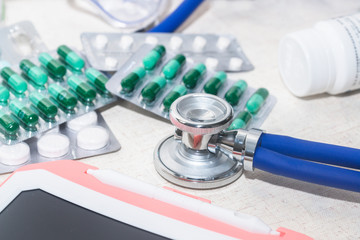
<point>14,80</point>
<point>151,89</point>
<point>4,95</point>
<point>191,78</point>
<point>35,73</point>
<point>255,102</point>
<point>173,66</point>
<point>62,96</point>
<point>28,117</point>
<point>83,89</point>
<point>215,83</point>
<point>55,67</point>
<point>71,57</point>
<point>97,78</point>
<point>44,105</point>
<point>129,82</point>
<point>233,95</point>
<point>8,123</point>
<point>177,92</point>
<point>241,120</point>
<point>153,57</point>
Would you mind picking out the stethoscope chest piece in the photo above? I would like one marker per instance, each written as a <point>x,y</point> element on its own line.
<point>184,158</point>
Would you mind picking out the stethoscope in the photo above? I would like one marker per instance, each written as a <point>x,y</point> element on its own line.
<point>202,154</point>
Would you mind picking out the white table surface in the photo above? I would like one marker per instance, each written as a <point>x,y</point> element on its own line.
<point>320,212</point>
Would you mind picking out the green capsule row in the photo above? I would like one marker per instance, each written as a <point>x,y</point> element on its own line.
<point>14,80</point>
<point>62,96</point>
<point>215,83</point>
<point>98,79</point>
<point>257,100</point>
<point>154,57</point>
<point>174,94</point>
<point>150,91</point>
<point>52,65</point>
<point>24,114</point>
<point>129,82</point>
<point>234,94</point>
<point>83,89</point>
<point>8,124</point>
<point>192,77</point>
<point>242,120</point>
<point>44,105</point>
<point>173,67</point>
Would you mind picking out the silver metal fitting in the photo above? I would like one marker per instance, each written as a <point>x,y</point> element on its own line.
<point>239,145</point>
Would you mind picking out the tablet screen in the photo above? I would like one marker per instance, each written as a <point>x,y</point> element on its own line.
<point>39,215</point>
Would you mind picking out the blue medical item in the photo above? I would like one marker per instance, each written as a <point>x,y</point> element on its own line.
<point>201,121</point>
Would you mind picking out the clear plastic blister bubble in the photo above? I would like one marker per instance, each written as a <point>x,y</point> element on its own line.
<point>61,143</point>
<point>42,92</point>
<point>109,51</point>
<point>20,40</point>
<point>155,90</point>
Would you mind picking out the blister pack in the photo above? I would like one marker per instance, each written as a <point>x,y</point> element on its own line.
<point>82,137</point>
<point>109,51</point>
<point>20,40</point>
<point>41,93</point>
<point>153,78</point>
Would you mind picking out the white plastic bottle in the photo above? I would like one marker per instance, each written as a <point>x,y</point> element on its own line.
<point>324,58</point>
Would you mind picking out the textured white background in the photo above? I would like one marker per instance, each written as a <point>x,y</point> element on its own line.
<point>320,212</point>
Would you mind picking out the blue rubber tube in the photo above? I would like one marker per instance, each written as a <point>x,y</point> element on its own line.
<point>286,166</point>
<point>176,18</point>
<point>312,151</point>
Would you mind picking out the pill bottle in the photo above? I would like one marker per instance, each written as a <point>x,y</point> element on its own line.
<point>324,58</point>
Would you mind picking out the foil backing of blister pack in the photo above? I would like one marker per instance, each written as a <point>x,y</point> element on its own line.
<point>74,152</point>
<point>114,86</point>
<point>109,51</point>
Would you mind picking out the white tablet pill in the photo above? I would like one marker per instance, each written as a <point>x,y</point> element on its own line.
<point>235,64</point>
<point>111,62</point>
<point>53,145</point>
<point>211,63</point>
<point>223,43</point>
<point>16,154</point>
<point>151,40</point>
<point>175,42</point>
<point>92,138</point>
<point>199,43</point>
<point>85,120</point>
<point>100,41</point>
<point>126,42</point>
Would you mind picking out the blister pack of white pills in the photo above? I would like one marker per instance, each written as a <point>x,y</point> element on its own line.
<point>82,137</point>
<point>153,78</point>
<point>109,51</point>
<point>20,40</point>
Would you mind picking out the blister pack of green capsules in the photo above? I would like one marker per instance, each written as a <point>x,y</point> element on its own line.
<point>39,94</point>
<point>153,78</point>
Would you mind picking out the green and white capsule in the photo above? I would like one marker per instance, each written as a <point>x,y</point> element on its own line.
<point>62,96</point>
<point>14,80</point>
<point>97,78</point>
<point>172,68</point>
<point>234,94</point>
<point>215,83</point>
<point>257,100</point>
<point>10,126</point>
<point>56,68</point>
<point>154,57</point>
<point>35,73</point>
<point>177,92</point>
<point>24,114</point>
<point>4,95</point>
<point>83,89</point>
<point>44,105</point>
<point>192,77</point>
<point>241,120</point>
<point>129,82</point>
<point>151,89</point>
<point>71,57</point>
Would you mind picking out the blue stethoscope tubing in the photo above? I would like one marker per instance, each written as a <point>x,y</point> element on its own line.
<point>314,162</point>
<point>177,17</point>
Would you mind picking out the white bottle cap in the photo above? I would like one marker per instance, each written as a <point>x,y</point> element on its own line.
<point>16,154</point>
<point>53,145</point>
<point>92,138</point>
<point>85,120</point>
<point>304,63</point>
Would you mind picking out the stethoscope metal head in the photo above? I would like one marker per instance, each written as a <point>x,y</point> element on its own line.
<point>190,157</point>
